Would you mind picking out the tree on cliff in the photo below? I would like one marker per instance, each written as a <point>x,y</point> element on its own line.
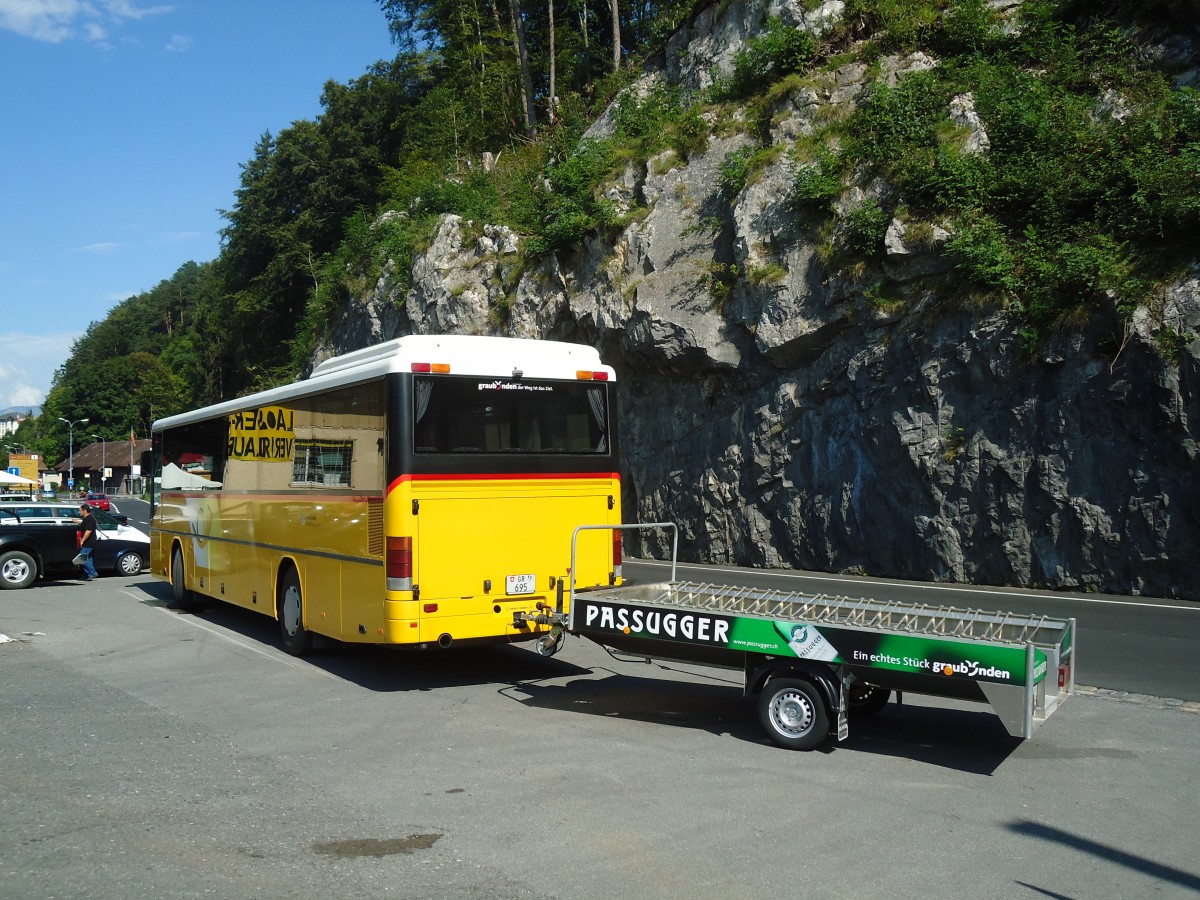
<point>1066,207</point>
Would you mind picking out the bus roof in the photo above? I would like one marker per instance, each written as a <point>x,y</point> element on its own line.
<point>491,357</point>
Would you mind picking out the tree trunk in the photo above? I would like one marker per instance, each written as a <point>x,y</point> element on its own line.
<point>616,31</point>
<point>552,112</point>
<point>526,77</point>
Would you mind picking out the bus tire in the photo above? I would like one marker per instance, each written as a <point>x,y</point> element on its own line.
<point>17,570</point>
<point>866,700</point>
<point>793,713</point>
<point>297,640</point>
<point>181,597</point>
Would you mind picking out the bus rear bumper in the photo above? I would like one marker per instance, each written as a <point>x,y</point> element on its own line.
<point>494,623</point>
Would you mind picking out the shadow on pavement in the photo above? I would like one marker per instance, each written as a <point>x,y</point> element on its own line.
<point>1105,852</point>
<point>378,668</point>
<point>964,740</point>
<point>968,741</point>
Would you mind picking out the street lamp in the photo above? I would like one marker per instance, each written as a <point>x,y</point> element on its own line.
<point>71,448</point>
<point>102,446</point>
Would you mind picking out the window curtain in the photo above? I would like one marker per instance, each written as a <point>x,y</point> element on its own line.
<point>595,397</point>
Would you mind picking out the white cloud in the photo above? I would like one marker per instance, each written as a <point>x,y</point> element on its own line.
<point>179,43</point>
<point>29,363</point>
<point>100,248</point>
<point>174,237</point>
<point>55,21</point>
<point>123,9</point>
<point>42,20</point>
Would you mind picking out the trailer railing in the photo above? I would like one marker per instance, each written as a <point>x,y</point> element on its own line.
<point>641,526</point>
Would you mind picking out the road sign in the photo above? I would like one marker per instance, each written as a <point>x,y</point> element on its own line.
<point>70,482</point>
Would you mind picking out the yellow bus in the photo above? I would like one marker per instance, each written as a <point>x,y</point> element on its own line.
<point>419,493</point>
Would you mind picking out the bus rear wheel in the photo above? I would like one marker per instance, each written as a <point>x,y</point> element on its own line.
<point>793,713</point>
<point>297,640</point>
<point>181,597</point>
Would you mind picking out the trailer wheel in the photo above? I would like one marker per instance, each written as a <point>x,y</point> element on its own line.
<point>866,699</point>
<point>793,713</point>
<point>297,640</point>
<point>549,644</point>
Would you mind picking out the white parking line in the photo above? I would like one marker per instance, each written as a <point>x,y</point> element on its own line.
<point>253,648</point>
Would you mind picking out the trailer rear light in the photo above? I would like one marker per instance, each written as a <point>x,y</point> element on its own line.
<point>435,368</point>
<point>398,564</point>
<point>591,376</point>
<point>616,553</point>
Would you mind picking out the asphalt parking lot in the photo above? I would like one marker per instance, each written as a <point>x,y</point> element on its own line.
<point>147,752</point>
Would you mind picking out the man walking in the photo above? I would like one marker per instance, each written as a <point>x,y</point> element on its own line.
<point>87,541</point>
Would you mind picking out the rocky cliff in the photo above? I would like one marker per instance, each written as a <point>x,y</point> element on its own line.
<point>799,422</point>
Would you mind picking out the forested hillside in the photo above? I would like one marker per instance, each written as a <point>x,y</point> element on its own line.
<point>1086,201</point>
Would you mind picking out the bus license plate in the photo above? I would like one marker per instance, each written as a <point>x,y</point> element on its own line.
<point>520,584</point>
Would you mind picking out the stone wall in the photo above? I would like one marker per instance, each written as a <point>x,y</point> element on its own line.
<point>798,423</point>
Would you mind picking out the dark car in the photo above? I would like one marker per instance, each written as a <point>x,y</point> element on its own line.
<point>32,549</point>
<point>119,547</point>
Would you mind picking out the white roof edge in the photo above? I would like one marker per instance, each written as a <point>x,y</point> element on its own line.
<point>485,356</point>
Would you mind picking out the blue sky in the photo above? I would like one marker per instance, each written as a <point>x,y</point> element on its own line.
<point>125,124</point>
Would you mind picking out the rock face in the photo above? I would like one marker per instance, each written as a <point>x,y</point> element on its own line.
<point>796,422</point>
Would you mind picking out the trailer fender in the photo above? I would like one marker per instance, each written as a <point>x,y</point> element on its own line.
<point>757,675</point>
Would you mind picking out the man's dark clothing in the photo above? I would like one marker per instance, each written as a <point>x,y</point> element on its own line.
<point>87,531</point>
<point>88,527</point>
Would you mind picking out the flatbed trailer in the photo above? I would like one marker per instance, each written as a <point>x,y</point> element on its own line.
<point>814,660</point>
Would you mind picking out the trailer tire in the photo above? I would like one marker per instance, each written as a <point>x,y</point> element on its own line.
<point>793,713</point>
<point>866,700</point>
<point>549,644</point>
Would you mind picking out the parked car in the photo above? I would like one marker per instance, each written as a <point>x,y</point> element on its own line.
<point>120,547</point>
<point>32,549</point>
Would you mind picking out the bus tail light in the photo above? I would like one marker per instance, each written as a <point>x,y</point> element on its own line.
<point>399,564</point>
<point>435,368</point>
<point>616,553</point>
<point>583,375</point>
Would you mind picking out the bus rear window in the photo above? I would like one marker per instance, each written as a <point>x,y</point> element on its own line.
<point>489,415</point>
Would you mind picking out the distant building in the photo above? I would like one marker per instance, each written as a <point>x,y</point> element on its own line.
<point>10,422</point>
<point>114,456</point>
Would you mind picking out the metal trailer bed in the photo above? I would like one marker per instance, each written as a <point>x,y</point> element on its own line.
<point>816,660</point>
